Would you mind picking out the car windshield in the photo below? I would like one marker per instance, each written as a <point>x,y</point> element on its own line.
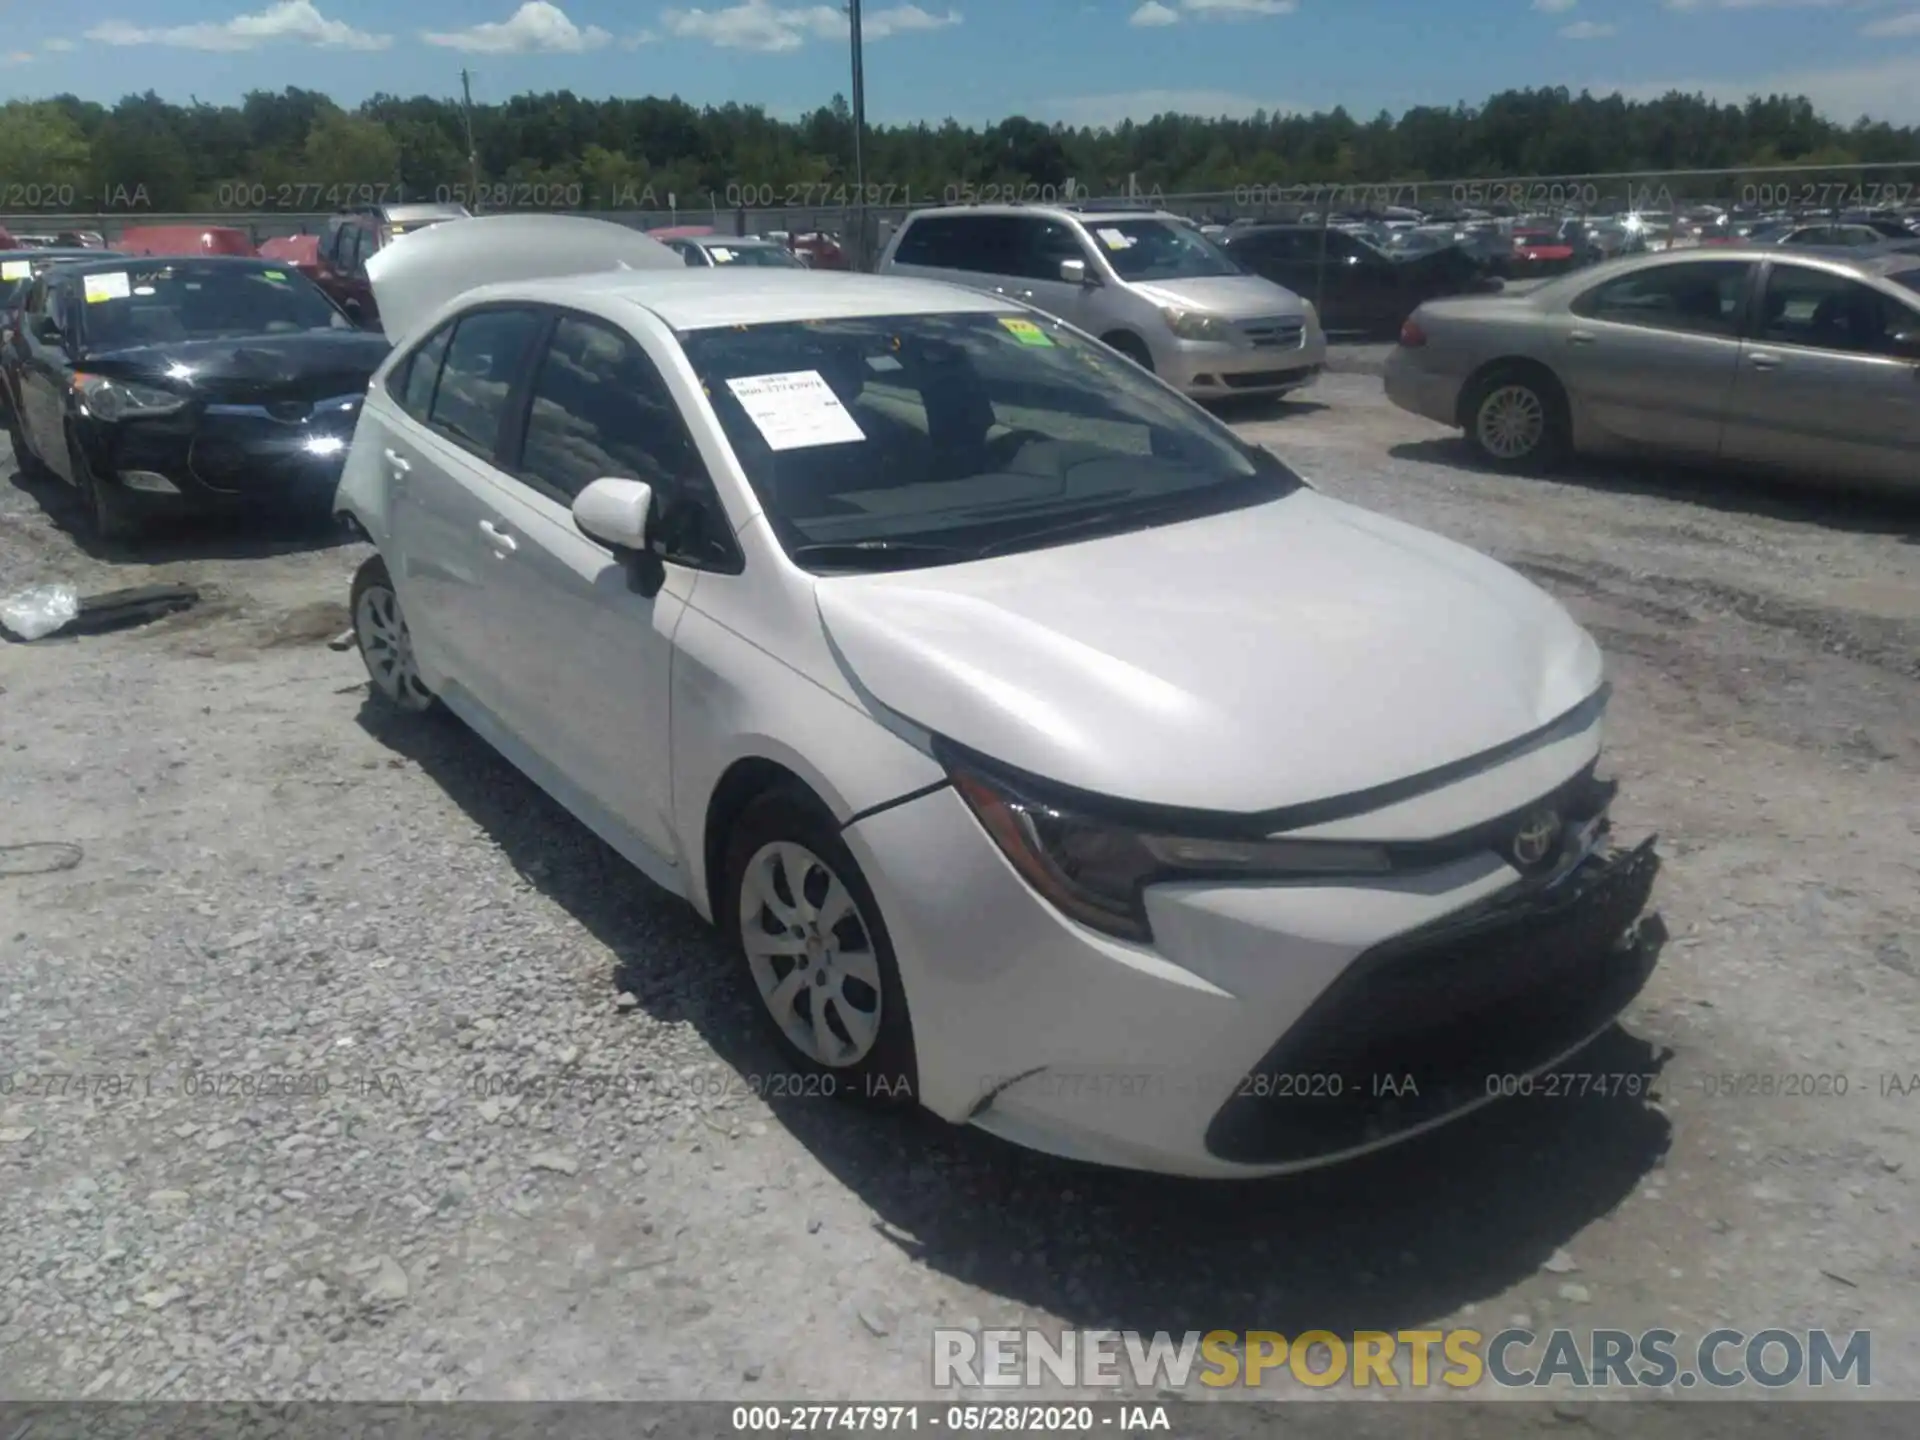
<point>776,256</point>
<point>159,302</point>
<point>927,439</point>
<point>1908,278</point>
<point>1159,250</point>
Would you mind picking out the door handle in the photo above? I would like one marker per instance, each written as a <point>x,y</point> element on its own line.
<point>1581,337</point>
<point>398,462</point>
<point>502,542</point>
<point>1764,361</point>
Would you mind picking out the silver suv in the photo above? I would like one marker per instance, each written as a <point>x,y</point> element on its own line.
<point>1147,283</point>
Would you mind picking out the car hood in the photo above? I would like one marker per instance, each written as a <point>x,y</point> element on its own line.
<point>1237,297</point>
<point>251,365</point>
<point>413,276</point>
<point>1294,652</point>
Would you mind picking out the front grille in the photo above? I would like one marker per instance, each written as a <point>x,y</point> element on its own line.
<point>1280,332</point>
<point>1440,1014</point>
<point>250,448</point>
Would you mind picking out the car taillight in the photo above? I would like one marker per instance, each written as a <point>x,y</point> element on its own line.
<point>1411,334</point>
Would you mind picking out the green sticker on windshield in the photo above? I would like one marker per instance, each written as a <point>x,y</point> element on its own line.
<point>1026,332</point>
<point>274,274</point>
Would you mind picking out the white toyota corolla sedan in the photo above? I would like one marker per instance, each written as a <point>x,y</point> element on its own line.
<point>1045,752</point>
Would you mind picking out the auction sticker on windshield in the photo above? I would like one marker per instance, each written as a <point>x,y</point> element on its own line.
<point>795,410</point>
<point>1114,239</point>
<point>114,286</point>
<point>1027,333</point>
<point>15,269</point>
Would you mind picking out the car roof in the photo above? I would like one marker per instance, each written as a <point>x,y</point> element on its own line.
<point>702,299</point>
<point>1071,212</point>
<point>730,242</point>
<point>114,261</point>
<point>402,214</point>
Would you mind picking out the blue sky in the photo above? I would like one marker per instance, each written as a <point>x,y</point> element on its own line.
<point>1085,61</point>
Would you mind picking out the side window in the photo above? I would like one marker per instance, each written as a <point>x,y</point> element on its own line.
<point>484,357</point>
<point>600,409</point>
<point>1823,311</point>
<point>1700,297</point>
<point>412,382</point>
<point>36,302</point>
<point>929,241</point>
<point>1044,244</point>
<point>689,253</point>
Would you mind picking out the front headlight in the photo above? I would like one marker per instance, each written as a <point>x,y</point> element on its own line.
<point>1196,325</point>
<point>1095,870</point>
<point>113,400</point>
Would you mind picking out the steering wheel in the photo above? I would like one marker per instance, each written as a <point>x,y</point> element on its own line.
<point>1002,448</point>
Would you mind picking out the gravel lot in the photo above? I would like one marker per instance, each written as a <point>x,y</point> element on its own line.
<point>278,883</point>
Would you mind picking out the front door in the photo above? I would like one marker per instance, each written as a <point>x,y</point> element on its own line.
<point>1650,357</point>
<point>1042,246</point>
<point>585,657</point>
<point>1819,391</point>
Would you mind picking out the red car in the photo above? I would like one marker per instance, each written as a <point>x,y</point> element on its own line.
<point>820,250</point>
<point>350,239</point>
<point>185,240</point>
<point>1541,252</point>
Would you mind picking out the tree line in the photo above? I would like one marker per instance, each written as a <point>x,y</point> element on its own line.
<point>296,150</point>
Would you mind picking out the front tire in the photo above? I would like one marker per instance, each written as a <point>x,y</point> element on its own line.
<point>1516,419</point>
<point>816,952</point>
<point>108,511</point>
<point>385,644</point>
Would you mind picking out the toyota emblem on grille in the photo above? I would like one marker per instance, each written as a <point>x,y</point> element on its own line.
<point>1536,838</point>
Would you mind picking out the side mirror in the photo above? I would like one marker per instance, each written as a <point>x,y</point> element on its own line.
<point>1074,272</point>
<point>1905,345</point>
<point>615,512</point>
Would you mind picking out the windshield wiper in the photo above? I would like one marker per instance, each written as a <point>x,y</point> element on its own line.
<point>1114,519</point>
<point>880,554</point>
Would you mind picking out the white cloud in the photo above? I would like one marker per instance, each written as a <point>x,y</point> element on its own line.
<point>1889,90</point>
<point>1895,26</point>
<point>291,20</point>
<point>637,39</point>
<point>1099,110</point>
<point>59,46</point>
<point>768,28</point>
<point>17,57</point>
<point>1237,9</point>
<point>1555,7</point>
<point>1586,30</point>
<point>535,28</point>
<point>1153,13</point>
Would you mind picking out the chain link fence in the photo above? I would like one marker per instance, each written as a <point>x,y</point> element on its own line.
<point>1675,207</point>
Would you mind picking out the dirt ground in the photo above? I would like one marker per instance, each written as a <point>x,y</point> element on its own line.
<point>276,882</point>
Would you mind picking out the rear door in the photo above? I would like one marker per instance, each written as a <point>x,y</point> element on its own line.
<point>1650,357</point>
<point>444,519</point>
<point>1819,390</point>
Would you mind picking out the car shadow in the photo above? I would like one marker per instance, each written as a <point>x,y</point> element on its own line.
<point>169,540</point>
<point>1385,1242</point>
<point>1253,408</point>
<point>1769,496</point>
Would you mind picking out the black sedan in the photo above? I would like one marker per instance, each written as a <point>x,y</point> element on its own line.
<point>1356,286</point>
<point>17,271</point>
<point>168,385</point>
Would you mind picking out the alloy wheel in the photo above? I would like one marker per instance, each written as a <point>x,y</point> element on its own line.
<point>1511,423</point>
<point>812,954</point>
<point>387,647</point>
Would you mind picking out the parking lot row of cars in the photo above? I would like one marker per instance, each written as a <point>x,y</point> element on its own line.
<point>944,658</point>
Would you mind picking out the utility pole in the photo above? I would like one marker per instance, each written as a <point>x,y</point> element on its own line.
<point>859,137</point>
<point>473,155</point>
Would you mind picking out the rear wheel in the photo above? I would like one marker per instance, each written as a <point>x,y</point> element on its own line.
<point>1517,419</point>
<point>386,645</point>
